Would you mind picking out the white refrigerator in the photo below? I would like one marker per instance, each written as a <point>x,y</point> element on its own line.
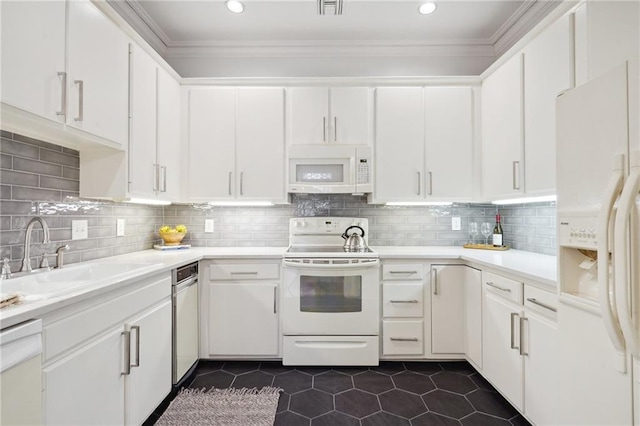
<point>598,184</point>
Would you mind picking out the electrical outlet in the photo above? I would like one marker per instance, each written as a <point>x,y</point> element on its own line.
<point>79,229</point>
<point>456,224</point>
<point>208,225</point>
<point>119,227</point>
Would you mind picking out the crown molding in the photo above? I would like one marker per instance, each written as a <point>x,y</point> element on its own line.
<point>520,23</point>
<point>142,23</point>
<point>333,49</point>
<point>431,81</point>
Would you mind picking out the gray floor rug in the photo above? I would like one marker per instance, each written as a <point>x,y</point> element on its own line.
<point>223,407</point>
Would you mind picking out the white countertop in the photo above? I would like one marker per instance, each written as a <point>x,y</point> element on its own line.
<point>530,266</point>
<point>540,268</point>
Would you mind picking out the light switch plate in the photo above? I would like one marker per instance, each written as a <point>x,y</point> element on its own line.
<point>119,227</point>
<point>79,229</point>
<point>455,224</point>
<point>208,225</point>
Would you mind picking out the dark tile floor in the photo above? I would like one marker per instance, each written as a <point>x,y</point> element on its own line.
<point>392,394</point>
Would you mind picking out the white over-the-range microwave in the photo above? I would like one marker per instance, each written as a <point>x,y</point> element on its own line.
<point>333,169</point>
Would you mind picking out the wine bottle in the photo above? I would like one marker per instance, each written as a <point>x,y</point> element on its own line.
<point>497,233</point>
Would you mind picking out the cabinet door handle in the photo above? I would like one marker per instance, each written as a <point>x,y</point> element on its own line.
<point>335,129</point>
<point>435,282</point>
<point>544,305</point>
<point>430,183</point>
<point>490,284</point>
<point>403,272</point>
<point>513,345</point>
<point>419,189</point>
<point>80,84</point>
<point>404,301</point>
<point>156,177</point>
<point>241,177</point>
<point>63,104</point>
<point>243,273</point>
<point>522,321</point>
<point>403,339</point>
<point>164,178</point>
<point>137,329</point>
<point>230,173</point>
<point>324,129</point>
<point>275,296</point>
<point>516,175</point>
<point>127,353</point>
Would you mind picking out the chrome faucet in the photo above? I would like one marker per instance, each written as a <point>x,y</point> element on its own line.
<point>26,262</point>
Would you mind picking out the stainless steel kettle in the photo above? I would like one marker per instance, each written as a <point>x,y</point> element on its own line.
<point>354,242</point>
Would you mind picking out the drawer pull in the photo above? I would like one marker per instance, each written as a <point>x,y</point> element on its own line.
<point>543,305</point>
<point>403,339</point>
<point>403,272</point>
<point>244,273</point>
<point>490,284</point>
<point>404,301</point>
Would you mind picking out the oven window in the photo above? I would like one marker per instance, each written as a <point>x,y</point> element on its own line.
<point>330,294</point>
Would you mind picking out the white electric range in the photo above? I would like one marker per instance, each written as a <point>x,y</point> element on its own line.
<point>331,297</point>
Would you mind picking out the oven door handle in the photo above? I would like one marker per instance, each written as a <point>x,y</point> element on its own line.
<point>330,266</point>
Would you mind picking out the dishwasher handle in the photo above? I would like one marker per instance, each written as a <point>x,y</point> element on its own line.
<point>185,284</point>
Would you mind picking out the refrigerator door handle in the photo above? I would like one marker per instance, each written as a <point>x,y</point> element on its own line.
<point>621,255</point>
<point>607,298</point>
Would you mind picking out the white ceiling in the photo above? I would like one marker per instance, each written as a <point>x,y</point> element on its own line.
<point>206,30</point>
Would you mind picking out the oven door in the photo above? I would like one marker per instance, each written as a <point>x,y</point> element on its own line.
<point>331,299</point>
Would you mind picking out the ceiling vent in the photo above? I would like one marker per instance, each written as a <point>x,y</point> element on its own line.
<point>335,4</point>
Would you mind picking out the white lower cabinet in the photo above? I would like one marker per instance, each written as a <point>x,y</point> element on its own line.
<point>241,311</point>
<point>520,338</point>
<point>89,377</point>
<point>502,363</point>
<point>447,309</point>
<point>403,290</point>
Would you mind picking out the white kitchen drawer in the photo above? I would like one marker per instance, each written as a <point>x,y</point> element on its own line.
<point>402,337</point>
<point>330,350</point>
<point>541,301</point>
<point>243,271</point>
<point>71,331</point>
<point>504,287</point>
<point>402,271</point>
<point>402,300</point>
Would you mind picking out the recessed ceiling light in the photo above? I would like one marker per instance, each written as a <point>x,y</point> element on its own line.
<point>427,8</point>
<point>235,6</point>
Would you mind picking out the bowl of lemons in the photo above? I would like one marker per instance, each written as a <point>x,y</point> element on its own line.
<point>172,236</point>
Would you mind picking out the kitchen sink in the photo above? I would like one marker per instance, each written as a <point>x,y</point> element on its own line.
<point>58,282</point>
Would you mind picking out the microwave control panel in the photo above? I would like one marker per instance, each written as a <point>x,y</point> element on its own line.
<point>362,171</point>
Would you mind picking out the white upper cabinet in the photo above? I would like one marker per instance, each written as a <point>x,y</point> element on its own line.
<point>449,143</point>
<point>98,73</point>
<point>607,33</point>
<point>154,144</point>
<point>212,136</point>
<point>399,144</point>
<point>423,144</point>
<point>236,144</point>
<point>33,57</point>
<point>68,63</point>
<point>143,173</point>
<point>168,138</point>
<point>260,144</point>
<point>321,115</point>
<point>547,72</point>
<point>502,131</point>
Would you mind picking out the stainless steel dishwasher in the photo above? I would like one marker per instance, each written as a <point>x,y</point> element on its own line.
<point>185,334</point>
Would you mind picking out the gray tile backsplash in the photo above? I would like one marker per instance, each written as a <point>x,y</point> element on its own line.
<point>38,178</point>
